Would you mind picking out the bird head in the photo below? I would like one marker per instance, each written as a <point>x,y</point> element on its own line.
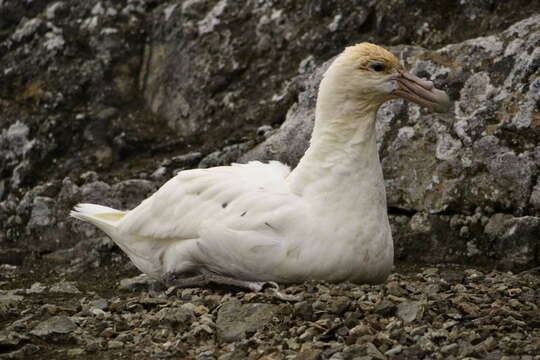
<point>372,73</point>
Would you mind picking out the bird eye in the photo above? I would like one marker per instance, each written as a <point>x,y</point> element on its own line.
<point>378,67</point>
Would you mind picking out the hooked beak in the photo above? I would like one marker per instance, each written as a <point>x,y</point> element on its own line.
<point>421,91</point>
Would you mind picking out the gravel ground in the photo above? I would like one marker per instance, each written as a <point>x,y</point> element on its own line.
<point>108,312</point>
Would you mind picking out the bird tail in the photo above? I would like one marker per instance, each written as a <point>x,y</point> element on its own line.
<point>103,217</point>
<point>138,249</point>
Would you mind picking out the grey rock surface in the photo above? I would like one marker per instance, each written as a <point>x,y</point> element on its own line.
<point>10,339</point>
<point>54,326</point>
<point>408,311</point>
<point>46,208</point>
<point>66,287</point>
<point>9,299</point>
<point>137,282</point>
<point>515,237</point>
<point>236,320</point>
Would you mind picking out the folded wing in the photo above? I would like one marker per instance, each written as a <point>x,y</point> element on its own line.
<point>184,205</point>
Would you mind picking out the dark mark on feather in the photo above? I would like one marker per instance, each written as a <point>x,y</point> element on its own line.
<point>270,226</point>
<point>224,205</point>
<point>244,213</point>
<point>161,259</point>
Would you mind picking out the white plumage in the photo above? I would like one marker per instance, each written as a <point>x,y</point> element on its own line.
<point>260,222</point>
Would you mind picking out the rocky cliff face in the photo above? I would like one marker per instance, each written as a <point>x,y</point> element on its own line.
<point>102,101</point>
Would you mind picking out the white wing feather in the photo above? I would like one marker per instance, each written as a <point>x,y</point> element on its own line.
<point>181,206</point>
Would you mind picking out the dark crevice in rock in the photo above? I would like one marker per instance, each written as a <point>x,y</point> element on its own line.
<point>392,210</point>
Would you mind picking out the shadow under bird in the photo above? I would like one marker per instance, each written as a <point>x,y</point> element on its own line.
<point>251,224</point>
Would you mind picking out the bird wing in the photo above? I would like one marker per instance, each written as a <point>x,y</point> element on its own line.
<point>200,200</point>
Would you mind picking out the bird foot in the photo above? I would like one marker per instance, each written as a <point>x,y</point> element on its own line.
<point>174,282</point>
<point>274,290</point>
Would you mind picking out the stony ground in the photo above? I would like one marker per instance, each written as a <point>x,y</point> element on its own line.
<point>446,312</point>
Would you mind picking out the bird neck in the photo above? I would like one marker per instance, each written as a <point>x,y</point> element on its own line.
<point>343,149</point>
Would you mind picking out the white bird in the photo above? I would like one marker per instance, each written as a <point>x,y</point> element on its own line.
<point>251,224</point>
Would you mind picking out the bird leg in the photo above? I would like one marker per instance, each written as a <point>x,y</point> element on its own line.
<point>209,277</point>
<point>171,279</point>
<point>220,279</point>
<point>184,282</point>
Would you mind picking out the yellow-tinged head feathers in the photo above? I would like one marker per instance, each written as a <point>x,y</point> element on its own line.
<point>366,53</point>
<point>366,75</point>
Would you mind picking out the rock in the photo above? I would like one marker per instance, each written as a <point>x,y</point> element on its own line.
<point>23,353</point>
<point>10,339</point>
<point>139,282</point>
<point>75,353</point>
<point>42,217</point>
<point>514,240</point>
<point>37,288</point>
<point>27,29</point>
<point>100,314</point>
<point>408,311</point>
<point>235,319</point>
<point>43,212</point>
<point>304,309</point>
<point>535,197</point>
<point>55,309</point>
<point>449,348</point>
<point>8,271</point>
<point>311,354</point>
<point>339,305</point>
<point>114,344</point>
<point>394,351</point>
<point>386,308</point>
<point>16,146</point>
<point>9,299</point>
<point>55,9</point>
<point>225,156</point>
<point>265,131</point>
<point>184,161</point>
<point>56,325</point>
<point>67,287</point>
<point>179,317</point>
<point>130,193</point>
<point>374,352</point>
<point>86,255</point>
<point>101,304</point>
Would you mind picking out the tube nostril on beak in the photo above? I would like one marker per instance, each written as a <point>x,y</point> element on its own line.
<point>426,84</point>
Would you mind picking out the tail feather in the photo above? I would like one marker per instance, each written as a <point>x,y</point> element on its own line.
<point>139,250</point>
<point>96,213</point>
